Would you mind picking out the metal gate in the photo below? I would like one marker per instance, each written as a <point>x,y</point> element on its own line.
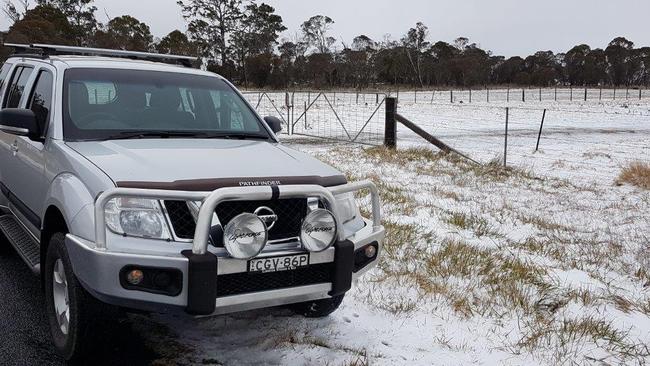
<point>340,116</point>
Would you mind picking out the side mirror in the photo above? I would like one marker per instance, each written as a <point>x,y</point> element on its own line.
<point>20,122</point>
<point>274,123</point>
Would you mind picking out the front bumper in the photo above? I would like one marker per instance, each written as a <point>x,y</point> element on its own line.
<point>203,269</point>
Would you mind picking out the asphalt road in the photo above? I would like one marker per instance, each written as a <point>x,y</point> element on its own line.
<point>24,333</point>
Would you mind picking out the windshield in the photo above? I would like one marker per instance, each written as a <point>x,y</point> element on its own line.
<point>105,104</point>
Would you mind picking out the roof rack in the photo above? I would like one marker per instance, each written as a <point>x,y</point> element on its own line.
<point>46,50</point>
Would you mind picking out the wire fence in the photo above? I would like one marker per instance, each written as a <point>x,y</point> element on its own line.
<point>559,142</point>
<point>520,95</point>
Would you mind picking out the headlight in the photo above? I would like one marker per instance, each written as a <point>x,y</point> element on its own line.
<point>347,207</point>
<point>318,230</point>
<point>245,236</point>
<point>136,217</point>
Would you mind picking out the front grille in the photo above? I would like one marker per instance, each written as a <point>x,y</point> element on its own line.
<point>243,283</point>
<point>181,219</point>
<point>290,213</point>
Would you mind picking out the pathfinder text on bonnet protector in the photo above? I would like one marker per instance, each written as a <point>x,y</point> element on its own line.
<point>141,184</point>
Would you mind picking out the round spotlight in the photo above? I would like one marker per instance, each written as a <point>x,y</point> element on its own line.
<point>318,230</point>
<point>245,236</point>
<point>135,277</point>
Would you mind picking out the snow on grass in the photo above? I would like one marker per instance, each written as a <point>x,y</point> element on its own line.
<point>544,262</point>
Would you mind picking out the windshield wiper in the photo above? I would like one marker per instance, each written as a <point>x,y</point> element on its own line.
<point>153,134</point>
<point>238,136</point>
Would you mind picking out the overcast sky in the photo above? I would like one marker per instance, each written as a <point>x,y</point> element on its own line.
<point>506,27</point>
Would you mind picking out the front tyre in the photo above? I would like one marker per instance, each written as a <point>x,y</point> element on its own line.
<point>317,308</point>
<point>76,319</point>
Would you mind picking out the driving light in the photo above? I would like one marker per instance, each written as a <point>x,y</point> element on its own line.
<point>136,217</point>
<point>245,236</point>
<point>318,230</point>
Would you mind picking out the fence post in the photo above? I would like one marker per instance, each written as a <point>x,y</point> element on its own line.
<point>470,95</point>
<point>571,95</point>
<point>600,95</point>
<point>390,132</point>
<point>433,95</point>
<point>451,96</point>
<point>541,126</point>
<point>416,96</point>
<point>556,93</point>
<point>287,103</point>
<point>505,145</point>
<point>540,94</point>
<point>614,93</point>
<point>585,94</point>
<point>508,95</point>
<point>523,94</point>
<point>306,123</point>
<point>627,93</point>
<point>487,89</point>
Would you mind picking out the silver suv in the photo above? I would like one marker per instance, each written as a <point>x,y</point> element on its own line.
<point>132,181</point>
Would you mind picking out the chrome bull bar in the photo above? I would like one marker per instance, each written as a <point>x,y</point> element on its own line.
<point>210,201</point>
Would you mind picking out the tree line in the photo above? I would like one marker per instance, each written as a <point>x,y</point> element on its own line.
<point>241,39</point>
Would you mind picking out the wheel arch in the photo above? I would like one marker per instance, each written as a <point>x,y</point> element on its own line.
<point>53,222</point>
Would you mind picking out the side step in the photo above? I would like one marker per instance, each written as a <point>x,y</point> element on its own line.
<point>28,249</point>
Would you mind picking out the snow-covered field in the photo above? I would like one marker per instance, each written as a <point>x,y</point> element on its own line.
<point>543,263</point>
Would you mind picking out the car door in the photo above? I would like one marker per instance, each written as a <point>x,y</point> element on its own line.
<point>27,161</point>
<point>15,88</point>
<point>4,146</point>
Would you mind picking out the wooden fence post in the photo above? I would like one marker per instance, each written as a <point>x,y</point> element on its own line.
<point>390,132</point>
<point>451,96</point>
<point>585,94</point>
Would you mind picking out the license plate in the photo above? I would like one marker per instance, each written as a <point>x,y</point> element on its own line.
<point>278,264</point>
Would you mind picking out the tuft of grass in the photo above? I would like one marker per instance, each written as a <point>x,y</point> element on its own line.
<point>636,174</point>
<point>493,281</point>
<point>566,339</point>
<point>402,156</point>
<point>478,225</point>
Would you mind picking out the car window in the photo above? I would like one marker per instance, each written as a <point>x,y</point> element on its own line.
<point>41,101</point>
<point>17,86</point>
<point>4,72</point>
<point>109,103</point>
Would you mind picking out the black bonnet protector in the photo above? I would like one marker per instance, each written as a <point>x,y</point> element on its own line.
<point>208,185</point>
